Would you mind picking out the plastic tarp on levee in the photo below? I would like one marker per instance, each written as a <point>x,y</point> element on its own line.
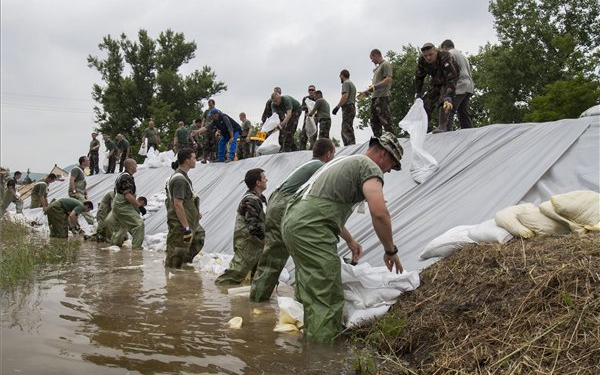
<point>481,171</point>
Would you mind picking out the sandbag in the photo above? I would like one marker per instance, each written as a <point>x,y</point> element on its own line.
<point>270,145</point>
<point>270,123</point>
<point>291,315</point>
<point>153,159</point>
<point>422,164</point>
<point>143,148</point>
<point>507,219</point>
<point>580,206</point>
<point>547,209</point>
<point>310,126</point>
<point>541,224</point>
<point>489,232</point>
<point>445,244</point>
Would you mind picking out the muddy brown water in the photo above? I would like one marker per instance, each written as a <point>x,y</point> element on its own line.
<point>121,313</point>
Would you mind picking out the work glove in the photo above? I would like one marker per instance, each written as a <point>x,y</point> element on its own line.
<point>335,110</point>
<point>187,235</point>
<point>447,106</point>
<point>142,210</point>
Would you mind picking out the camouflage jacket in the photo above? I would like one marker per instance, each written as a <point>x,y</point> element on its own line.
<point>443,71</point>
<point>251,210</point>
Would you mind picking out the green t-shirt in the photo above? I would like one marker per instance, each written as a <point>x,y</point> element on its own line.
<point>382,71</point>
<point>39,190</point>
<point>79,176</point>
<point>349,87</point>
<point>123,145</point>
<point>322,109</point>
<point>152,135</point>
<point>287,103</point>
<point>246,126</point>
<point>110,145</point>
<point>94,146</point>
<point>183,135</point>
<point>299,176</point>
<point>71,204</point>
<point>180,187</point>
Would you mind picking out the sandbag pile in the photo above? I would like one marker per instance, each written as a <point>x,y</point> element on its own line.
<point>576,212</point>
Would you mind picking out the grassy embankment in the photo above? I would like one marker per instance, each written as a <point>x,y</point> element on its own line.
<point>22,253</point>
<point>526,307</point>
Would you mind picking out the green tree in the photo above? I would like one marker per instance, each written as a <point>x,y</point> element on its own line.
<point>141,81</point>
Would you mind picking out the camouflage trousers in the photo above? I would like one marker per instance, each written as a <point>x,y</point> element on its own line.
<point>381,118</point>
<point>431,102</point>
<point>94,166</point>
<point>286,137</point>
<point>209,145</point>
<point>243,151</point>
<point>303,136</point>
<point>348,114</point>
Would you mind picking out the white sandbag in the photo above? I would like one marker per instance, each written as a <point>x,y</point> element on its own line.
<point>310,126</point>
<point>422,164</point>
<point>153,159</point>
<point>541,224</point>
<point>270,145</point>
<point>105,162</point>
<point>580,206</point>
<point>353,316</point>
<point>143,148</point>
<point>291,315</point>
<point>547,209</point>
<point>507,219</point>
<point>271,123</point>
<point>489,232</point>
<point>445,244</point>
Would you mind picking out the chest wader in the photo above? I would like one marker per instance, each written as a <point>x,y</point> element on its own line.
<point>127,219</point>
<point>57,220</point>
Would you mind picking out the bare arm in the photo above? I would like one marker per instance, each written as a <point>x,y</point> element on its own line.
<point>288,116</point>
<point>72,183</point>
<point>178,204</point>
<point>354,246</point>
<point>343,99</point>
<point>130,198</point>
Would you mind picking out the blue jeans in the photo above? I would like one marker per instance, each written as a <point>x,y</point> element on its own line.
<point>223,146</point>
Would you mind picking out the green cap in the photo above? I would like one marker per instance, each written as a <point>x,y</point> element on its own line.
<point>391,144</point>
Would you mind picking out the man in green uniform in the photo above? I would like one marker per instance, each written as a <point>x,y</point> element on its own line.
<point>104,208</point>
<point>182,137</point>
<point>195,135</point>
<point>249,233</point>
<point>209,145</point>
<point>126,209</point>
<point>11,194</point>
<point>124,150</point>
<point>77,182</point>
<point>315,219</point>
<point>244,142</point>
<point>323,117</point>
<point>348,108</point>
<point>62,215</point>
<point>380,94</point>
<point>275,255</point>
<point>186,236</point>
<point>39,192</point>
<point>151,136</point>
<point>111,148</point>
<point>93,154</point>
<point>268,111</point>
<point>290,109</point>
<point>308,99</point>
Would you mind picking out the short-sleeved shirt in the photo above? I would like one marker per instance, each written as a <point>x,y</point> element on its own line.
<point>246,126</point>
<point>125,182</point>
<point>79,175</point>
<point>71,204</point>
<point>180,186</point>
<point>110,145</point>
<point>40,189</point>
<point>152,135</point>
<point>382,71</point>
<point>123,145</point>
<point>93,144</point>
<point>299,176</point>
<point>349,87</point>
<point>183,135</point>
<point>322,109</point>
<point>287,103</point>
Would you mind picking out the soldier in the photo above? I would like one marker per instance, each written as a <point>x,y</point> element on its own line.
<point>249,234</point>
<point>268,111</point>
<point>124,150</point>
<point>310,98</point>
<point>210,144</point>
<point>77,182</point>
<point>290,109</point>
<point>126,209</point>
<point>93,154</point>
<point>229,129</point>
<point>323,117</point>
<point>151,136</point>
<point>62,215</point>
<point>275,255</point>
<point>464,88</point>
<point>104,208</point>
<point>244,143</point>
<point>380,94</point>
<point>39,192</point>
<point>11,195</point>
<point>442,85</point>
<point>183,137</point>
<point>186,236</point>
<point>315,220</point>
<point>348,108</point>
<point>111,148</point>
<point>195,135</point>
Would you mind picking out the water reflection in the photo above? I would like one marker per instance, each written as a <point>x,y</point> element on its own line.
<point>121,311</point>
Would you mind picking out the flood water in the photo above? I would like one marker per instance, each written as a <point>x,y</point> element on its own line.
<point>118,312</point>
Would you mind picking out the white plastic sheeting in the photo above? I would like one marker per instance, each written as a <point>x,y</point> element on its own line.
<point>481,171</point>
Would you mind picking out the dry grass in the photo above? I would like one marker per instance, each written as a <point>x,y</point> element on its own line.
<point>527,307</point>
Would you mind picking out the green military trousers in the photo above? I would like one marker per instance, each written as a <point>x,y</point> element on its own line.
<point>179,252</point>
<point>57,220</point>
<point>127,219</point>
<point>274,254</point>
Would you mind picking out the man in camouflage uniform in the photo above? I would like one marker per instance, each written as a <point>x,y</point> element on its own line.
<point>268,111</point>
<point>290,109</point>
<point>151,136</point>
<point>210,137</point>
<point>380,92</point>
<point>111,148</point>
<point>104,230</point>
<point>183,138</point>
<point>444,73</point>
<point>11,195</point>
<point>93,154</point>
<point>195,136</point>
<point>321,110</point>
<point>77,182</point>
<point>124,150</point>
<point>311,99</point>
<point>62,215</point>
<point>39,192</point>
<point>186,236</point>
<point>315,219</point>
<point>275,255</point>
<point>249,234</point>
<point>347,103</point>
<point>243,151</point>
<point>126,209</point>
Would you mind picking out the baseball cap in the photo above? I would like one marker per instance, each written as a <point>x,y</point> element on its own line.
<point>427,46</point>
<point>391,145</point>
<point>94,133</point>
<point>213,111</point>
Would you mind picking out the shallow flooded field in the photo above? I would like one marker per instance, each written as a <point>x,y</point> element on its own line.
<point>118,312</point>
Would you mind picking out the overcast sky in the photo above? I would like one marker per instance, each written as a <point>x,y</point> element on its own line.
<point>46,113</point>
